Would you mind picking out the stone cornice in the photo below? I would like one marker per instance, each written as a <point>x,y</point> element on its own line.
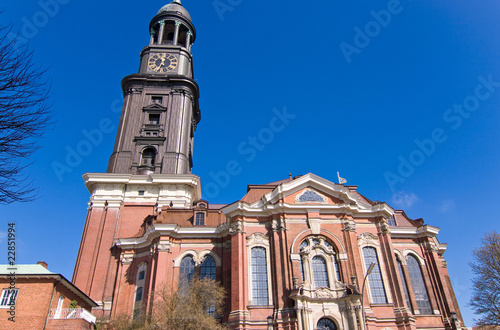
<point>161,230</point>
<point>424,231</point>
<point>112,189</point>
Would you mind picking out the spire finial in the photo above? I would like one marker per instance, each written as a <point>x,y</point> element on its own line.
<point>177,1</point>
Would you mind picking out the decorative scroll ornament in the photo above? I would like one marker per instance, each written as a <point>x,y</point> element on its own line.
<point>257,239</point>
<point>367,239</point>
<point>278,224</point>
<point>432,247</point>
<point>384,227</point>
<point>310,196</point>
<point>349,225</point>
<point>325,293</point>
<point>236,228</point>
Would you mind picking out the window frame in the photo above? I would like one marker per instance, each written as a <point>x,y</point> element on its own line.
<point>154,118</point>
<point>140,287</point>
<point>418,264</point>
<point>196,214</point>
<point>406,289</point>
<point>259,240</point>
<point>189,279</point>
<point>153,159</point>
<point>368,239</point>
<point>8,302</point>
<point>212,267</point>
<point>329,255</point>
<point>155,98</point>
<point>382,276</point>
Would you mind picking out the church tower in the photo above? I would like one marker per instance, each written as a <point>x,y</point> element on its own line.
<point>160,110</point>
<point>150,167</point>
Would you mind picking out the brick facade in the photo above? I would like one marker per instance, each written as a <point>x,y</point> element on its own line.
<point>146,218</point>
<point>39,293</point>
<point>334,220</point>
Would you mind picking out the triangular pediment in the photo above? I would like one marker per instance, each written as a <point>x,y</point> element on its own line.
<point>312,192</point>
<point>154,107</point>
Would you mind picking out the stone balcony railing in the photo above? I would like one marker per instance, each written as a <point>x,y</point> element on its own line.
<point>71,313</point>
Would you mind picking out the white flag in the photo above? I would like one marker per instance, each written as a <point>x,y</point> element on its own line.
<point>341,180</point>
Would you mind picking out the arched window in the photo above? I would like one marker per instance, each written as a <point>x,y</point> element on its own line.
<point>319,266</point>
<point>326,324</point>
<point>260,293</point>
<point>207,269</point>
<point>377,289</point>
<point>186,271</point>
<point>405,287</point>
<point>148,157</point>
<point>417,281</point>
<point>320,273</point>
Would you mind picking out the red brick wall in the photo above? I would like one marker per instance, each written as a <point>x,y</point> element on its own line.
<point>33,300</point>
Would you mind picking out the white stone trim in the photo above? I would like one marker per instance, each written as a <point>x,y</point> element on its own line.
<point>270,203</point>
<point>399,256</point>
<point>321,250</point>
<point>409,252</point>
<point>381,264</point>
<point>204,253</point>
<point>259,240</point>
<point>113,189</point>
<point>337,241</point>
<point>177,261</point>
<point>406,232</point>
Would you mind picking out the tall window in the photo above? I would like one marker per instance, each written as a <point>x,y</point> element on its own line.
<point>148,157</point>
<point>207,269</point>
<point>405,287</point>
<point>417,281</point>
<point>320,273</point>
<point>375,278</point>
<point>260,294</point>
<point>186,271</point>
<point>200,219</point>
<point>139,289</point>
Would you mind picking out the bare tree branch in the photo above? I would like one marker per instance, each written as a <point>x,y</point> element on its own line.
<point>193,306</point>
<point>24,116</point>
<point>485,300</point>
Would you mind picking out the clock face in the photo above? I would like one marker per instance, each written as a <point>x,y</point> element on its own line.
<point>162,62</point>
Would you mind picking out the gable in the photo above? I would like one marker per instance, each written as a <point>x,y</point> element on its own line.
<point>302,193</point>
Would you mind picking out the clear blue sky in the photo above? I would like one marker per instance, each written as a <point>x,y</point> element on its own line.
<point>362,104</point>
